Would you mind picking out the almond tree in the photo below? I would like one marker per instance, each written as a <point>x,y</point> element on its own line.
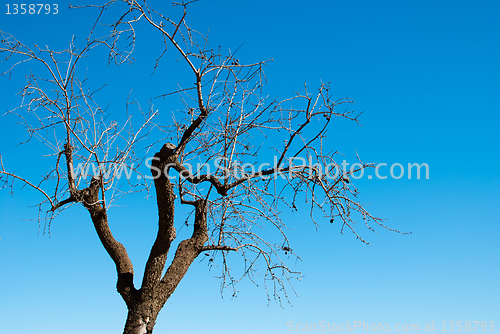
<point>226,125</point>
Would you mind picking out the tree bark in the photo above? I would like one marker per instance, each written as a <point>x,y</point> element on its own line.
<point>145,304</point>
<point>144,309</point>
<point>141,317</point>
<point>117,252</point>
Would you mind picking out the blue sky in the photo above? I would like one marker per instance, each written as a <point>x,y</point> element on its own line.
<point>425,74</point>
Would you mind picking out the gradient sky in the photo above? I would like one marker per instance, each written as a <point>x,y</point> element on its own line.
<point>426,74</point>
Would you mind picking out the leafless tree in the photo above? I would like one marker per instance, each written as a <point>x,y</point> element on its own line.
<point>227,127</point>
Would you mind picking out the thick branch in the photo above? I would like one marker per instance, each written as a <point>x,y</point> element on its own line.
<point>68,152</point>
<point>186,252</point>
<point>165,198</point>
<point>116,250</point>
<point>221,189</point>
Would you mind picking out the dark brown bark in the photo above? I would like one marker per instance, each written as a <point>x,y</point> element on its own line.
<point>116,250</point>
<point>165,198</point>
<point>186,252</point>
<point>147,302</point>
<point>138,318</point>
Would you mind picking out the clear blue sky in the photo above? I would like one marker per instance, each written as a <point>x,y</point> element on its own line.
<point>427,76</point>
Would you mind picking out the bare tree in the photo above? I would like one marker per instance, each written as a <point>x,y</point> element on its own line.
<point>225,129</point>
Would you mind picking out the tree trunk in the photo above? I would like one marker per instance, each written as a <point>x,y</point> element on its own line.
<point>141,318</point>
<point>145,304</point>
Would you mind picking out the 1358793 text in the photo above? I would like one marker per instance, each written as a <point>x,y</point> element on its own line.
<point>31,9</point>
